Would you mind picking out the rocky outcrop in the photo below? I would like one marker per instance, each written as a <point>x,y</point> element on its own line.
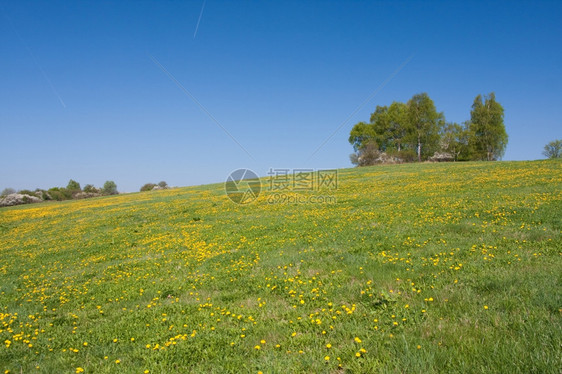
<point>442,157</point>
<point>18,199</point>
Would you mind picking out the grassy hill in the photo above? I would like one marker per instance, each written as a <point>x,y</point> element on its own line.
<point>414,268</point>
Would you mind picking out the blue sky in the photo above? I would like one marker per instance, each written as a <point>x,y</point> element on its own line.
<point>82,98</point>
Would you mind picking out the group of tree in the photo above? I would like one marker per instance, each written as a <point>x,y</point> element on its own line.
<point>416,131</point>
<point>71,191</point>
<point>154,186</point>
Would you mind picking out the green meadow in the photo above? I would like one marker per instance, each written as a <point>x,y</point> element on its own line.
<point>413,268</point>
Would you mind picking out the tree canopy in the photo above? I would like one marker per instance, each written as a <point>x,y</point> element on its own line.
<point>489,137</point>
<point>402,132</point>
<point>553,149</point>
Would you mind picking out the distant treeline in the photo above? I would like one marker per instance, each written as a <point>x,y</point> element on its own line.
<point>71,191</point>
<point>416,131</point>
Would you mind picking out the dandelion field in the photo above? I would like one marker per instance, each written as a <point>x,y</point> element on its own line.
<point>417,268</point>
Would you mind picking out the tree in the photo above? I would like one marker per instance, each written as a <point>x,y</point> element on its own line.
<point>425,122</point>
<point>553,149</point>
<point>147,187</point>
<point>397,129</point>
<point>73,186</point>
<point>89,188</point>
<point>361,133</point>
<point>7,191</point>
<point>367,154</point>
<point>489,138</point>
<point>163,184</point>
<point>109,188</point>
<point>454,140</point>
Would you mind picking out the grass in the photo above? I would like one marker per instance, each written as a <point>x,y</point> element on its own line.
<point>416,268</point>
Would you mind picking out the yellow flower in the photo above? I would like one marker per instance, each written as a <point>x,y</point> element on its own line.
<point>327,358</point>
<point>358,354</point>
<point>357,340</point>
<point>328,345</point>
<point>257,347</point>
<point>85,344</point>
<point>485,306</point>
<point>117,361</point>
<point>262,341</point>
<point>79,370</point>
<point>419,346</point>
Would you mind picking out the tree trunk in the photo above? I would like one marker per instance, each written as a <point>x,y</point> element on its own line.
<point>419,149</point>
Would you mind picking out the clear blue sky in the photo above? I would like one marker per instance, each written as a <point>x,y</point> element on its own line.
<point>82,98</point>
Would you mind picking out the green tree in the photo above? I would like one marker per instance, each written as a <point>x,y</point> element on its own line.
<point>361,133</point>
<point>488,135</point>
<point>424,124</point>
<point>73,186</point>
<point>89,188</point>
<point>109,188</point>
<point>553,149</point>
<point>454,140</point>
<point>398,125</point>
<point>147,187</point>
<point>163,184</point>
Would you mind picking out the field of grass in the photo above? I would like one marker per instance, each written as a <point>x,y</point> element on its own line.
<point>416,268</point>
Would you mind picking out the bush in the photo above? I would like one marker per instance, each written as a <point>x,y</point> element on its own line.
<point>73,186</point>
<point>109,188</point>
<point>147,187</point>
<point>28,192</point>
<point>407,155</point>
<point>42,194</point>
<point>163,184</point>
<point>60,193</point>
<point>89,188</point>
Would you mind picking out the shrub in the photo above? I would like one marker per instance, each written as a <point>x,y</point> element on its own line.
<point>89,188</point>
<point>147,187</point>
<point>109,188</point>
<point>28,192</point>
<point>42,194</point>
<point>163,184</point>
<point>73,186</point>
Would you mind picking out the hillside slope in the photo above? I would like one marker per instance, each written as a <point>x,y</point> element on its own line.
<point>432,267</point>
